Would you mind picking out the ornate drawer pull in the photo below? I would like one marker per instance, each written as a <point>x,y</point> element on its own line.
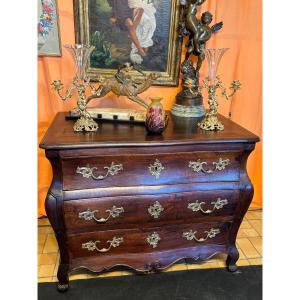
<point>88,171</point>
<point>92,245</point>
<point>190,235</point>
<point>90,215</point>
<point>156,168</point>
<point>153,239</point>
<point>196,206</point>
<point>198,166</point>
<point>155,210</point>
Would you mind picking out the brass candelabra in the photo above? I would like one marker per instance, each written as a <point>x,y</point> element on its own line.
<point>85,121</point>
<point>211,121</point>
<point>213,83</point>
<point>82,84</point>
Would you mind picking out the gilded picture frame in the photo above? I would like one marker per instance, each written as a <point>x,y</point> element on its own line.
<point>105,25</point>
<point>49,41</point>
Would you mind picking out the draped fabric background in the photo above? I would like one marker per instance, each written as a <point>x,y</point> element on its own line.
<point>242,33</point>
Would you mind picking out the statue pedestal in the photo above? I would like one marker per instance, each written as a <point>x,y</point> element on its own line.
<point>188,106</point>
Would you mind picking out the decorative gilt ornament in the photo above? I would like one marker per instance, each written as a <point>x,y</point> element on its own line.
<point>89,215</point>
<point>92,245</point>
<point>88,171</point>
<point>156,168</point>
<point>199,166</point>
<point>196,206</point>
<point>191,235</point>
<point>123,84</point>
<point>153,239</point>
<point>155,210</point>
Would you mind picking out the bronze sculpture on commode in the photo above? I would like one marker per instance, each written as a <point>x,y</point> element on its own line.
<point>189,102</point>
<point>123,84</point>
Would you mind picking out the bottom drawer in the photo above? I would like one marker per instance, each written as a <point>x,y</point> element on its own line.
<point>147,240</point>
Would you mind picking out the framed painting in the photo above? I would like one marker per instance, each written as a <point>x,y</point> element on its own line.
<point>48,29</point>
<point>143,32</point>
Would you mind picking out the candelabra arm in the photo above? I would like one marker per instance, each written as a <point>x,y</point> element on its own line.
<point>234,87</point>
<point>58,87</point>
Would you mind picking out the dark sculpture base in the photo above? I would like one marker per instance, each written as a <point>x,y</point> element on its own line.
<point>187,99</point>
<point>188,125</point>
<point>188,106</point>
<point>188,111</point>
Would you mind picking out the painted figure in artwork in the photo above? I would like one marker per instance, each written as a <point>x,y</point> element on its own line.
<point>127,19</point>
<point>138,18</point>
<point>145,28</point>
<point>131,30</point>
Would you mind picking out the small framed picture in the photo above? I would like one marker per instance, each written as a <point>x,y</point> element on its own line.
<point>48,29</point>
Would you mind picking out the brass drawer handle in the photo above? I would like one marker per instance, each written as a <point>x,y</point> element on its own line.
<point>153,239</point>
<point>89,215</point>
<point>196,206</point>
<point>156,168</point>
<point>92,245</point>
<point>198,166</point>
<point>155,210</point>
<point>88,171</point>
<point>191,235</point>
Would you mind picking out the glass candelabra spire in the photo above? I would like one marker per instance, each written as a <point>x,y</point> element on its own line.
<point>214,57</point>
<point>81,55</point>
<point>213,83</point>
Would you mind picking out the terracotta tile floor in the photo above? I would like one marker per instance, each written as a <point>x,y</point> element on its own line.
<point>249,243</point>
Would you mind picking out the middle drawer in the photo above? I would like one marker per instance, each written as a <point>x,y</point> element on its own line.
<point>98,213</point>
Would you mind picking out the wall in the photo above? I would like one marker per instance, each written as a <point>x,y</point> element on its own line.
<point>241,33</point>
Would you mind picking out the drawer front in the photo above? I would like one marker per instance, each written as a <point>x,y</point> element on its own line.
<point>141,170</point>
<point>205,204</point>
<point>96,214</point>
<point>147,240</point>
<point>100,213</point>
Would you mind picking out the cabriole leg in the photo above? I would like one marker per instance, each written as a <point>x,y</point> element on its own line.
<point>232,258</point>
<point>63,278</point>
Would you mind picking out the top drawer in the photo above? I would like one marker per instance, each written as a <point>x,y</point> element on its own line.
<point>134,170</point>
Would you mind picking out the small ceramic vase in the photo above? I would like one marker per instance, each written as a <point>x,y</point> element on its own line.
<point>156,117</point>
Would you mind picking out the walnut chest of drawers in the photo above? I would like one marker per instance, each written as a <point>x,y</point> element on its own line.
<point>122,197</point>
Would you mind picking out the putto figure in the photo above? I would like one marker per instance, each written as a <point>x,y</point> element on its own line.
<point>190,20</point>
<point>204,33</point>
<point>137,17</point>
<point>189,102</point>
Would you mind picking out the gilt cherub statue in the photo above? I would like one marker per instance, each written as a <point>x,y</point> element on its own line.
<point>189,102</point>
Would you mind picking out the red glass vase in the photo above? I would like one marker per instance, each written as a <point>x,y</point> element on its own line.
<point>156,117</point>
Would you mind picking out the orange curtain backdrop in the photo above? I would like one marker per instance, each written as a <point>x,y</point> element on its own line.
<point>241,33</point>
